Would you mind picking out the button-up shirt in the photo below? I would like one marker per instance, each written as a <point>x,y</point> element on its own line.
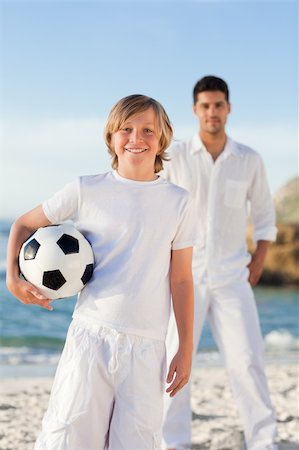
<point>226,194</point>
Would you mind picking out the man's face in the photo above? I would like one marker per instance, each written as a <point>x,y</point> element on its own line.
<point>212,110</point>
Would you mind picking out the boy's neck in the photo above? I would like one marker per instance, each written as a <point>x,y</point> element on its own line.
<point>137,175</point>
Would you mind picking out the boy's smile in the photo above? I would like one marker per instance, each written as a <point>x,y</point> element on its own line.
<point>135,150</point>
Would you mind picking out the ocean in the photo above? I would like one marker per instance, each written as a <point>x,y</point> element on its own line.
<point>32,338</point>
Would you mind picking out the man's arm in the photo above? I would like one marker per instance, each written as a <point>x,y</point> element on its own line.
<point>256,264</point>
<point>263,219</point>
<point>181,283</point>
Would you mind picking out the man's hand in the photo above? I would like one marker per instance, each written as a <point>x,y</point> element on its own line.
<point>179,371</point>
<point>256,264</point>
<point>255,271</point>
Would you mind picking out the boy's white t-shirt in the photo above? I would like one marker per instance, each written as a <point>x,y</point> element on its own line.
<point>132,227</point>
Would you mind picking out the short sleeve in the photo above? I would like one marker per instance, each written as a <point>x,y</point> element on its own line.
<point>63,205</point>
<point>186,231</point>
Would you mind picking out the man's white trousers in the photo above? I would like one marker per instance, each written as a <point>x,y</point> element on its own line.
<point>234,322</point>
<point>107,392</point>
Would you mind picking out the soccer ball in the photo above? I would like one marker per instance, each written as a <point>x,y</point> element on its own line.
<point>58,260</point>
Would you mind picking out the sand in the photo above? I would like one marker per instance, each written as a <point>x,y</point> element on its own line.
<point>216,425</point>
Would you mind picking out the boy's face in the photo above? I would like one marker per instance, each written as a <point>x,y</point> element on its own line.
<point>136,144</point>
<point>212,110</point>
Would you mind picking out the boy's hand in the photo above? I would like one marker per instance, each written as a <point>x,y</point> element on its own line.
<point>28,294</point>
<point>179,371</point>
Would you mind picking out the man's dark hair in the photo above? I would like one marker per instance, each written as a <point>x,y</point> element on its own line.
<point>210,83</point>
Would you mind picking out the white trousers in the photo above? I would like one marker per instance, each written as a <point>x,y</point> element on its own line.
<point>234,322</point>
<point>107,392</point>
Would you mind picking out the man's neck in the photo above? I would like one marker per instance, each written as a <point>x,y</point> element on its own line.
<point>214,143</point>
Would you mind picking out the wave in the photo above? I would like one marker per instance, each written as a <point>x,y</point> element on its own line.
<point>33,342</point>
<point>15,356</point>
<point>281,339</point>
<point>280,345</point>
<point>32,350</point>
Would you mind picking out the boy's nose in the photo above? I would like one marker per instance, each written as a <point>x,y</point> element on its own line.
<point>136,136</point>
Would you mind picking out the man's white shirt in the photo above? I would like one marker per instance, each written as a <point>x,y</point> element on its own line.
<point>226,194</point>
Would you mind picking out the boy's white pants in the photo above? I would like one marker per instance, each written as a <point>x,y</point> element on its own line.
<point>235,326</point>
<point>107,392</point>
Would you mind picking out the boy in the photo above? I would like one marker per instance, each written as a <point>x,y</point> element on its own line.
<point>108,389</point>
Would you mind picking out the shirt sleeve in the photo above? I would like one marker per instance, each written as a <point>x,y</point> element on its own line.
<point>172,170</point>
<point>186,231</point>
<point>261,206</point>
<point>63,205</point>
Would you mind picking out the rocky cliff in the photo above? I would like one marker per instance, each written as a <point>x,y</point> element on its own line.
<point>282,262</point>
<point>286,202</point>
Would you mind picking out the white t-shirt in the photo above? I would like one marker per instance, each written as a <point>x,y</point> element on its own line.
<point>132,227</point>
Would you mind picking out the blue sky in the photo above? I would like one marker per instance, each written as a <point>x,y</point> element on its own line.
<point>65,63</point>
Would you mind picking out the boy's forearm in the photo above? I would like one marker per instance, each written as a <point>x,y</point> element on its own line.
<point>22,228</point>
<point>18,235</point>
<point>183,306</point>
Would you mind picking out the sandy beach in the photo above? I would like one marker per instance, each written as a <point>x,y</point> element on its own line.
<point>216,425</point>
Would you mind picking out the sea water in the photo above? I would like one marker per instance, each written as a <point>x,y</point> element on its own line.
<point>32,338</point>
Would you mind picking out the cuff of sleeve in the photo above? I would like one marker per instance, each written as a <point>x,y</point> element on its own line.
<point>47,212</point>
<point>265,234</point>
<point>181,245</point>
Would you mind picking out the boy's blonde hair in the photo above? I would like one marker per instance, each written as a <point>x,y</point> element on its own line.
<point>131,106</point>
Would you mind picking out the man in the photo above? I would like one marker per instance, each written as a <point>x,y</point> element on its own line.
<point>225,178</point>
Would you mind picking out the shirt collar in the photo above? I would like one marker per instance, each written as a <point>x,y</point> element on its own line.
<point>196,144</point>
<point>230,148</point>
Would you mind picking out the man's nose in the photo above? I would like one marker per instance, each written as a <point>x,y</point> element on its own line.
<point>212,110</point>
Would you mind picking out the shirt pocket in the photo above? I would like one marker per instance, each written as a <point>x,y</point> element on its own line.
<point>235,193</point>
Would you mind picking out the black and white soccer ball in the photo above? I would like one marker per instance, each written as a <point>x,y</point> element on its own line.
<point>58,260</point>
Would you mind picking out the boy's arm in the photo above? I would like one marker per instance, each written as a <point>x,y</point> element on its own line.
<point>22,228</point>
<point>181,283</point>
